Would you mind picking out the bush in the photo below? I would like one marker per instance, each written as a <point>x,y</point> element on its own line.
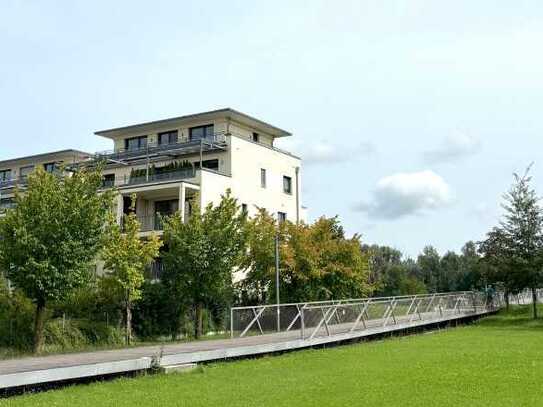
<point>16,320</point>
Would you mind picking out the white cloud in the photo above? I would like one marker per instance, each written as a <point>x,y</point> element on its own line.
<point>324,152</point>
<point>453,148</point>
<point>404,194</point>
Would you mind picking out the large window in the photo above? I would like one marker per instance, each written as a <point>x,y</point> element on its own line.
<point>201,132</point>
<point>287,185</point>
<point>135,143</point>
<point>108,180</point>
<point>263,178</point>
<point>167,137</point>
<point>26,171</point>
<point>281,217</point>
<point>5,175</point>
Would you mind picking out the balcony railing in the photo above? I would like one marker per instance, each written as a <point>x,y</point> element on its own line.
<point>151,178</point>
<point>213,142</point>
<point>13,182</point>
<point>150,223</point>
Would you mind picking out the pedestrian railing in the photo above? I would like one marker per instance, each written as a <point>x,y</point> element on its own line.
<point>314,319</point>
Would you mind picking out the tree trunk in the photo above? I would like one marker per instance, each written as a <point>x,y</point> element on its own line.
<point>39,323</point>
<point>534,301</point>
<point>506,296</point>
<point>198,320</point>
<point>128,327</point>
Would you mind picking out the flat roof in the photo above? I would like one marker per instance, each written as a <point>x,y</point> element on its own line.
<point>226,112</point>
<point>53,154</point>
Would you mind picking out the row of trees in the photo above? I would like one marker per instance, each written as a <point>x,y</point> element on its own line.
<point>51,240</point>
<point>393,274</point>
<point>61,226</point>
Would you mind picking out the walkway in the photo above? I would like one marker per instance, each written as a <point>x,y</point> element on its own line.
<point>334,324</point>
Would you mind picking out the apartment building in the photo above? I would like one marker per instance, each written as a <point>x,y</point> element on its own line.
<point>173,164</point>
<point>14,172</point>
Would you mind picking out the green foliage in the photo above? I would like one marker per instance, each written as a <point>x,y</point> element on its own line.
<point>317,262</point>
<point>125,257</point>
<point>16,316</point>
<point>477,365</point>
<point>513,251</point>
<point>201,255</point>
<point>153,170</point>
<point>52,236</point>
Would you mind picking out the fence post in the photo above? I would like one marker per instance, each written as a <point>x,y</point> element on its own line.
<point>302,322</point>
<point>231,323</point>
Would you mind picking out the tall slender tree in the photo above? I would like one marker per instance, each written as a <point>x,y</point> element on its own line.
<point>125,256</point>
<point>522,228</point>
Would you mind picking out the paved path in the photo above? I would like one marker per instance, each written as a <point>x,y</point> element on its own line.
<point>35,370</point>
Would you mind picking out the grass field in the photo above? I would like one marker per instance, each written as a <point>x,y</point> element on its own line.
<point>497,362</point>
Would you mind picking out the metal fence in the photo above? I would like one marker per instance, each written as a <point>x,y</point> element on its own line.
<point>315,319</point>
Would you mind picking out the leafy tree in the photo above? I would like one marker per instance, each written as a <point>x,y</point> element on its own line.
<point>429,267</point>
<point>201,257</point>
<point>317,262</point>
<point>469,277</point>
<point>497,265</point>
<point>449,273</point>
<point>52,237</point>
<point>522,228</point>
<point>125,256</point>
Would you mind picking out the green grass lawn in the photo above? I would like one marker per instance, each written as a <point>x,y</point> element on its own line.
<point>496,362</point>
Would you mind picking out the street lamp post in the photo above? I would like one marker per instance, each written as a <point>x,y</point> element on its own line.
<point>278,301</point>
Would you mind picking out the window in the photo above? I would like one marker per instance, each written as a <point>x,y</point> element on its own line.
<point>108,180</point>
<point>5,175</point>
<point>167,208</point>
<point>50,167</point>
<point>7,203</point>
<point>287,185</point>
<point>244,209</point>
<point>135,143</point>
<point>263,178</point>
<point>281,217</point>
<point>201,132</point>
<point>26,171</point>
<point>168,137</point>
<point>209,164</point>
<point>255,137</point>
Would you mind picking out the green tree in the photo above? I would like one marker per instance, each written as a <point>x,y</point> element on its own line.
<point>522,228</point>
<point>52,237</point>
<point>317,262</point>
<point>429,267</point>
<point>125,257</point>
<point>202,254</point>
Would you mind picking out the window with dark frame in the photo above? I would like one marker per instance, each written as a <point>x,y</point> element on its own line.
<point>281,217</point>
<point>50,167</point>
<point>168,137</point>
<point>5,175</point>
<point>244,209</point>
<point>201,132</point>
<point>209,164</point>
<point>287,185</point>
<point>108,180</point>
<point>255,137</point>
<point>263,178</point>
<point>135,143</point>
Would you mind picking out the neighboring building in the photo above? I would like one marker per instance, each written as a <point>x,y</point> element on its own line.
<point>168,164</point>
<point>13,172</point>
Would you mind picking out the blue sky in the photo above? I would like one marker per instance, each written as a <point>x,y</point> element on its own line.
<point>411,115</point>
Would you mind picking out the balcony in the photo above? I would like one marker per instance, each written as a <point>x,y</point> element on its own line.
<point>130,180</point>
<point>13,182</point>
<point>151,150</point>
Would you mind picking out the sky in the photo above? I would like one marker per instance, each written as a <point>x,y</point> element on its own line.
<point>410,115</point>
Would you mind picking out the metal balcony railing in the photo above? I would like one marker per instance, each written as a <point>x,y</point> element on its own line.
<point>213,142</point>
<point>128,180</point>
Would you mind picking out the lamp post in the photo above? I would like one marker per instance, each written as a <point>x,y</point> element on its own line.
<point>277,298</point>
